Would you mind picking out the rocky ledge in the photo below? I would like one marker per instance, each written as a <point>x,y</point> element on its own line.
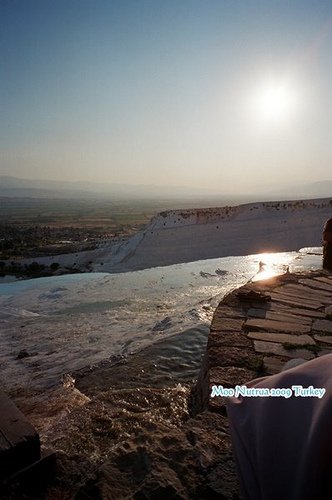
<point>261,326</point>
<point>255,331</point>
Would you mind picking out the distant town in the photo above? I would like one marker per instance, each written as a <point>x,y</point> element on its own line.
<point>32,228</point>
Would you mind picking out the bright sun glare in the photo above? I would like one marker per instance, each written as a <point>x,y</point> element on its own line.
<point>275,101</point>
<point>271,264</point>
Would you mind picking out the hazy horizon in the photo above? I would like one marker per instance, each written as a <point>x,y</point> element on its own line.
<point>14,187</point>
<point>221,97</point>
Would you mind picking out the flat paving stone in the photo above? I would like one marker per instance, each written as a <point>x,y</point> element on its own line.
<point>327,339</point>
<point>289,318</point>
<point>282,338</point>
<point>271,306</point>
<point>279,316</point>
<point>290,300</point>
<point>328,311</point>
<point>254,312</point>
<point>322,325</point>
<point>273,365</point>
<point>307,293</point>
<point>279,326</point>
<point>310,313</point>
<point>306,300</point>
<point>279,350</point>
<point>317,284</point>
<point>324,279</point>
<point>305,287</point>
<point>290,309</point>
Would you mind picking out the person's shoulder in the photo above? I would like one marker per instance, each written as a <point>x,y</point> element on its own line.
<point>328,225</point>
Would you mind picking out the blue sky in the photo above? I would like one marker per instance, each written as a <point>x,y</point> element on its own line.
<point>167,92</point>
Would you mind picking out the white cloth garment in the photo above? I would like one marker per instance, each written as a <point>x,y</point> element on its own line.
<point>283,447</point>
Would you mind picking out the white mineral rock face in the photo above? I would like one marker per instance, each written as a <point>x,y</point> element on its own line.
<point>187,235</point>
<point>178,236</point>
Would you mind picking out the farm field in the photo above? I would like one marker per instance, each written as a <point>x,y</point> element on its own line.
<point>34,227</point>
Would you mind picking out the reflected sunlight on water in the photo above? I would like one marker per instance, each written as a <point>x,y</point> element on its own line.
<point>66,323</point>
<point>270,265</point>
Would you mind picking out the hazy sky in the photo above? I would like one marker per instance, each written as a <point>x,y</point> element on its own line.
<point>223,94</point>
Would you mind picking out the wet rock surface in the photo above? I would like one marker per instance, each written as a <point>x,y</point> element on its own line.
<point>255,331</point>
<point>118,436</point>
<point>272,321</point>
<point>193,461</point>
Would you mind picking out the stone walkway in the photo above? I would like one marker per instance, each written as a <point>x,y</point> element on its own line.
<point>261,326</point>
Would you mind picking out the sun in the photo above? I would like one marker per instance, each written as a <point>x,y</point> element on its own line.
<point>275,101</point>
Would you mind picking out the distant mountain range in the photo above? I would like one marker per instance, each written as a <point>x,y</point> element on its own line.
<point>321,189</point>
<point>36,188</point>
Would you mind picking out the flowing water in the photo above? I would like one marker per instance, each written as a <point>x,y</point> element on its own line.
<point>54,326</point>
<point>98,362</point>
